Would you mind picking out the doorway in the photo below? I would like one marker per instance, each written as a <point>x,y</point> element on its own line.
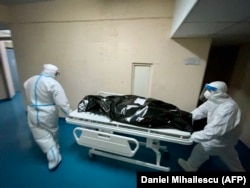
<point>13,68</point>
<point>220,65</point>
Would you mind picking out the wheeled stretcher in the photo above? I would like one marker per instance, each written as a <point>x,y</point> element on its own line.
<point>119,141</point>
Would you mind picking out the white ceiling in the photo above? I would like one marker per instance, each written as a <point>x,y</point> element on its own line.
<point>226,21</point>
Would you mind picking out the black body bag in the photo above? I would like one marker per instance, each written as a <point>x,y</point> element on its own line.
<point>139,111</point>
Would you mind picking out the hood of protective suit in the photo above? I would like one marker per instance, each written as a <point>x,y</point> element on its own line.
<point>219,94</point>
<point>50,70</point>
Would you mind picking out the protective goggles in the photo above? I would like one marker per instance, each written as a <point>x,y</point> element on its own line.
<point>210,88</point>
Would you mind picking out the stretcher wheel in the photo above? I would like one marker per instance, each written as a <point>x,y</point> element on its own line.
<point>91,156</point>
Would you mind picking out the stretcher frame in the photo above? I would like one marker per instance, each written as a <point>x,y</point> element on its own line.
<point>112,139</point>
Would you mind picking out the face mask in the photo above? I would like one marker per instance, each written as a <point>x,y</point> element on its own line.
<point>207,94</point>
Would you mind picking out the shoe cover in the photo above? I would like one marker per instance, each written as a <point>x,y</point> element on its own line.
<point>184,164</point>
<point>54,158</point>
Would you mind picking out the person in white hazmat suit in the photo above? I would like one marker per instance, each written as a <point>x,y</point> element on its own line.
<point>45,96</point>
<point>220,134</point>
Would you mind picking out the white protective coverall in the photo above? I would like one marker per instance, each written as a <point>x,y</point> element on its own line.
<point>44,96</point>
<point>221,133</point>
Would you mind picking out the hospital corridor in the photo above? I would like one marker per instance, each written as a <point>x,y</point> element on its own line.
<point>24,165</point>
<point>127,81</point>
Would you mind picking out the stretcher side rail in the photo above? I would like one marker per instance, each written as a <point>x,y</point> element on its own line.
<point>108,142</point>
<point>118,147</point>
